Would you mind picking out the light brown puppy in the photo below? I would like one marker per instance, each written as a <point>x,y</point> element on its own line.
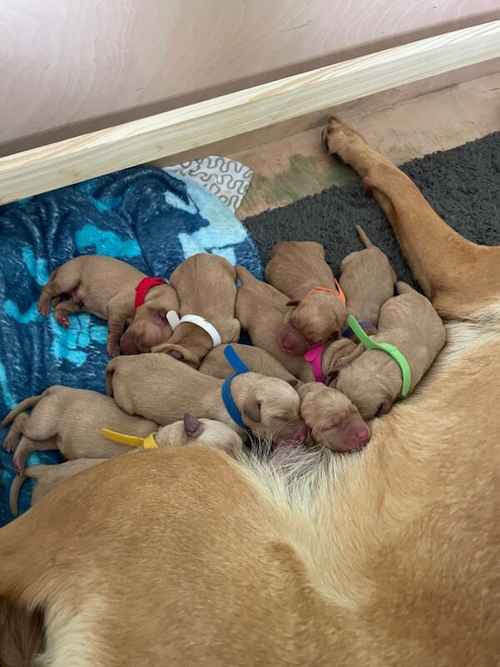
<point>260,309</point>
<point>373,380</point>
<point>106,287</point>
<point>189,431</point>
<point>387,558</point>
<point>334,421</point>
<point>71,420</point>
<point>161,388</point>
<point>206,285</point>
<point>367,280</point>
<point>299,270</point>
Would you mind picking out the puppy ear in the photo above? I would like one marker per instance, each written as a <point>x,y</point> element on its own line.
<point>251,409</point>
<point>192,426</point>
<point>294,302</point>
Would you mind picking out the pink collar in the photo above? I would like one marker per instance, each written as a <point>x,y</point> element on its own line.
<point>314,357</point>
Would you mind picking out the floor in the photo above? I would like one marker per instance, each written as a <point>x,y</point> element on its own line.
<point>297,166</point>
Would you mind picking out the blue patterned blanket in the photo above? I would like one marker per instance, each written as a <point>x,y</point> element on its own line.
<point>144,216</point>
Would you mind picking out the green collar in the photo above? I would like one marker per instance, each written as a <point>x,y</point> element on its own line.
<point>388,348</point>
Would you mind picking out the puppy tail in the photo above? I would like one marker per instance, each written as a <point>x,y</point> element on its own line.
<point>363,237</point>
<point>21,407</point>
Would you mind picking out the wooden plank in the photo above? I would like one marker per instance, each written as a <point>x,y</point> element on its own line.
<point>133,143</point>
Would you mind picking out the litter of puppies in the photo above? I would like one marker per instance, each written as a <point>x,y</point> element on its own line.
<point>326,357</point>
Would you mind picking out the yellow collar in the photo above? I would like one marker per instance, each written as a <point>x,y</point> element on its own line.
<point>131,440</point>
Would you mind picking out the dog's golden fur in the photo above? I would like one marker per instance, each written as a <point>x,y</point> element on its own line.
<point>389,557</point>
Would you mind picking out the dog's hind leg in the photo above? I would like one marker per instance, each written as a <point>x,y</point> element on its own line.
<point>456,274</point>
<point>27,446</point>
<point>15,433</point>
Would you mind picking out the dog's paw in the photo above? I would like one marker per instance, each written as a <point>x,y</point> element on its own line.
<point>337,137</point>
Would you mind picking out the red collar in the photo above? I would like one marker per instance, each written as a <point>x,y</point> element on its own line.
<point>143,288</point>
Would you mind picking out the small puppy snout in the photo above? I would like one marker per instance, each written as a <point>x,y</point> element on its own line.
<point>357,437</point>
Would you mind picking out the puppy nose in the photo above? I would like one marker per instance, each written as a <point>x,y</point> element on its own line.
<point>358,437</point>
<point>288,342</point>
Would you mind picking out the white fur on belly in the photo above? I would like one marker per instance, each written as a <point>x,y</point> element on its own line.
<point>463,336</point>
<point>72,639</point>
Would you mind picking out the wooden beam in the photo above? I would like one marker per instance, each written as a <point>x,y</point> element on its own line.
<point>66,162</point>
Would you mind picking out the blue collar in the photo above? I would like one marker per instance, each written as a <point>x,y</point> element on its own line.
<point>239,367</point>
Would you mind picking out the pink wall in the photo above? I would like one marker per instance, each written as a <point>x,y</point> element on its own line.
<point>70,66</point>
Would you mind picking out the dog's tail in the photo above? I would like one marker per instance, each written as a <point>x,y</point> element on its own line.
<point>29,402</point>
<point>363,237</point>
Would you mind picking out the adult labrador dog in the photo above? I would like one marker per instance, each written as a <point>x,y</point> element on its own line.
<point>389,557</point>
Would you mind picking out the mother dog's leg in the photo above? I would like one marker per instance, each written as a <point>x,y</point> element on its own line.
<point>457,275</point>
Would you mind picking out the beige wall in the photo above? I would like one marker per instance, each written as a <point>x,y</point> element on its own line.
<point>69,66</point>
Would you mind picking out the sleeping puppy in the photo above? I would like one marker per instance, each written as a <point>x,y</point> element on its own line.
<point>206,286</point>
<point>189,431</point>
<point>114,291</point>
<point>373,380</point>
<point>162,389</point>
<point>260,309</point>
<point>299,270</point>
<point>71,420</point>
<point>367,280</point>
<point>332,419</point>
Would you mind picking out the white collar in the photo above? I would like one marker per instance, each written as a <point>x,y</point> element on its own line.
<point>197,320</point>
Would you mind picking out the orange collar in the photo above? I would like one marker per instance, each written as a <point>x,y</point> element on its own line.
<point>337,290</point>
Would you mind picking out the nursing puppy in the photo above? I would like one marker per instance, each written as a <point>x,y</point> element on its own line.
<point>373,380</point>
<point>107,288</point>
<point>333,420</point>
<point>206,286</point>
<point>162,389</point>
<point>189,431</point>
<point>367,280</point>
<point>260,309</point>
<point>299,270</point>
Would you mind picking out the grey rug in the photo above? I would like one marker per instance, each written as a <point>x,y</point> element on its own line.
<point>462,184</point>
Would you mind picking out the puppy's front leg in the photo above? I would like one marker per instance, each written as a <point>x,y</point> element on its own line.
<point>119,310</point>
